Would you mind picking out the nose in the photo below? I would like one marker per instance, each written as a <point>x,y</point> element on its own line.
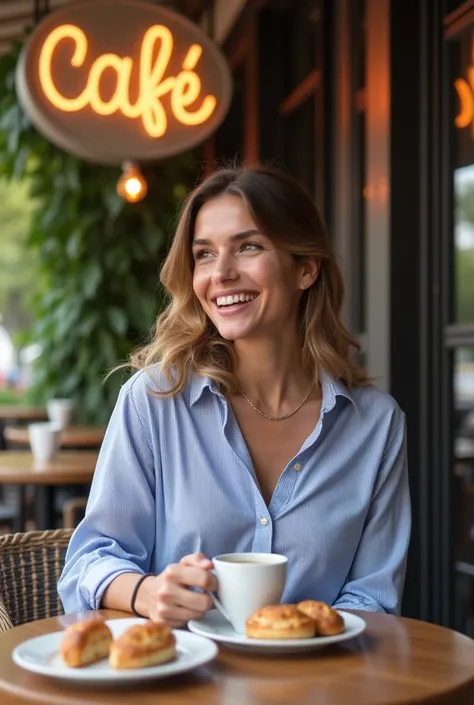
<point>224,270</point>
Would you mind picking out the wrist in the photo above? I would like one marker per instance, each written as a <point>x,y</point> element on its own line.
<point>139,603</point>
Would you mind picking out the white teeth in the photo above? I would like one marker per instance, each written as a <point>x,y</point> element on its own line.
<point>235,299</point>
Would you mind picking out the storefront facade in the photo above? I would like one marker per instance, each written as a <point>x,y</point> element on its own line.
<point>370,104</point>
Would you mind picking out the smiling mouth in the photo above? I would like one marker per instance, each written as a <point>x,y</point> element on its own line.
<point>234,301</point>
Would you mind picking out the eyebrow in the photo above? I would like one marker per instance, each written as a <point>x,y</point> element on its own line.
<point>238,236</point>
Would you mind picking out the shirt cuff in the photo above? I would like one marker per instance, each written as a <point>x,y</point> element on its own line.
<point>99,576</point>
<point>363,605</point>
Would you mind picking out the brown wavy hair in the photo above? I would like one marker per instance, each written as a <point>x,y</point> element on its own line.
<point>185,340</point>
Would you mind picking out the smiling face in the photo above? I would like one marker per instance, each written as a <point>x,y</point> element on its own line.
<point>246,285</point>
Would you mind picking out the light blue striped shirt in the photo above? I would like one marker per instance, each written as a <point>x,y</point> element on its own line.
<point>174,477</point>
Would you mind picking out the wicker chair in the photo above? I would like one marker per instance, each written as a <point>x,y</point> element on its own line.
<point>30,566</point>
<point>5,621</point>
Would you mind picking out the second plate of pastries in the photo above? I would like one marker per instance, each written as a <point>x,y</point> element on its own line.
<point>113,652</point>
<point>307,626</point>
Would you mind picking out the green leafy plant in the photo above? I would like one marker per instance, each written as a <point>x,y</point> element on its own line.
<point>16,260</point>
<point>97,257</point>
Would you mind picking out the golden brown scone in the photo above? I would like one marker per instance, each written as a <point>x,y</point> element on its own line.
<point>279,622</point>
<point>85,642</point>
<point>142,645</point>
<point>328,621</point>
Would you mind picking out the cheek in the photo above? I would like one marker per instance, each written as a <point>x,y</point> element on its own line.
<point>276,277</point>
<point>264,273</point>
<point>199,284</point>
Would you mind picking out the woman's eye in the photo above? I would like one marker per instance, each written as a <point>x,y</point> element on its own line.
<point>201,254</point>
<point>250,246</point>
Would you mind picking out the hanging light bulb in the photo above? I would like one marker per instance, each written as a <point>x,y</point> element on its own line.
<point>132,186</point>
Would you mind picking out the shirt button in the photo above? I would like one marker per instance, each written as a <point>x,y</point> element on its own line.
<point>263,521</point>
<point>297,467</point>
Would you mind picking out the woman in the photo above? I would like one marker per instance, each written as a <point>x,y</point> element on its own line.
<point>247,426</point>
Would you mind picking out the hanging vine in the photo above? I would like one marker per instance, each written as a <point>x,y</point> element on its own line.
<point>97,257</point>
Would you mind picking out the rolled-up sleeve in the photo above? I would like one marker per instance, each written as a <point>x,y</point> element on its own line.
<point>117,534</point>
<point>376,578</point>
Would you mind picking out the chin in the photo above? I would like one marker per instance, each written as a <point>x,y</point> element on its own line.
<point>232,333</point>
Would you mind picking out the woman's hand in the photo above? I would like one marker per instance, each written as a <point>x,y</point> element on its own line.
<point>167,598</point>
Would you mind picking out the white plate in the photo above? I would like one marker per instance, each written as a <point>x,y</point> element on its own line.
<point>41,655</point>
<point>215,626</point>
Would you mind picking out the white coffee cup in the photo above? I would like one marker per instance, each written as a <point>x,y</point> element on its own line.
<point>60,411</point>
<point>44,440</point>
<point>247,582</point>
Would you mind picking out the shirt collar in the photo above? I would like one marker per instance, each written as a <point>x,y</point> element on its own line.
<point>198,384</point>
<point>331,389</point>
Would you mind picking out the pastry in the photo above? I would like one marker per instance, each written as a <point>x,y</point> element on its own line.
<point>279,622</point>
<point>142,645</point>
<point>85,642</point>
<point>328,621</point>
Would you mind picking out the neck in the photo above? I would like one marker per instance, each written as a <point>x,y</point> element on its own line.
<point>271,374</point>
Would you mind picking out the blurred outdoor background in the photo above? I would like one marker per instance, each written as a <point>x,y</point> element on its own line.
<point>370,105</point>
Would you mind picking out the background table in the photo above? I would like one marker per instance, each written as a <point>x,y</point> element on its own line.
<point>395,661</point>
<point>71,437</point>
<point>14,413</point>
<point>20,468</point>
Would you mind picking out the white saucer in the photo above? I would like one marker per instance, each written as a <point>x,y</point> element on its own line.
<point>41,655</point>
<point>215,626</point>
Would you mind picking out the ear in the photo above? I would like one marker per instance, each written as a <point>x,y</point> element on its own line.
<point>309,273</point>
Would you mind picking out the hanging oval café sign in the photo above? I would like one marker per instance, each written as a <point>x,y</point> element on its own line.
<point>110,80</point>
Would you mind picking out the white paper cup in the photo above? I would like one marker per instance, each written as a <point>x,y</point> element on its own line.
<point>44,440</point>
<point>60,411</point>
<point>248,582</point>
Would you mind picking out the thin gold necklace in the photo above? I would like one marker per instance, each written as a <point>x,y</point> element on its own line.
<point>276,418</point>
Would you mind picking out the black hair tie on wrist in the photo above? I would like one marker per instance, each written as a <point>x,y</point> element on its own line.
<point>135,592</point>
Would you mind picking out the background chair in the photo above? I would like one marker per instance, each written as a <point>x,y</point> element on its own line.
<point>5,621</point>
<point>30,566</point>
<point>73,511</point>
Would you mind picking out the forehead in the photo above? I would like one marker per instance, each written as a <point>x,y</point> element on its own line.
<point>224,215</point>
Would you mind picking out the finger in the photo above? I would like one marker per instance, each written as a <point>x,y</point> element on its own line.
<point>173,615</point>
<point>198,560</point>
<point>190,576</point>
<point>172,594</point>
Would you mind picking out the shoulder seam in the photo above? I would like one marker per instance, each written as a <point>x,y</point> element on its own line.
<point>128,392</point>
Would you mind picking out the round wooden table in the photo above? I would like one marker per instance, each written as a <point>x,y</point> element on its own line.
<point>67,468</point>
<point>395,661</point>
<point>71,437</point>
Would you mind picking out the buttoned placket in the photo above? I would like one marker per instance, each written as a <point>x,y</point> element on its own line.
<point>266,515</point>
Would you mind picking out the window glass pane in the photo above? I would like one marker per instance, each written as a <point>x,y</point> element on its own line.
<point>300,144</point>
<point>463,397</point>
<point>303,19</point>
<point>464,604</point>
<point>451,5</point>
<point>229,139</point>
<point>358,43</point>
<point>358,181</point>
<point>359,222</point>
<point>462,72</point>
<point>464,244</point>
